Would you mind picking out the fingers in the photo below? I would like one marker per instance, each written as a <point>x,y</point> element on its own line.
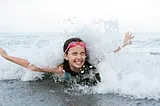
<point>1,49</point>
<point>129,35</point>
<point>132,37</point>
<point>126,34</point>
<point>60,68</point>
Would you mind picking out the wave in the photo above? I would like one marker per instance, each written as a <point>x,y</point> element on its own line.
<point>126,73</point>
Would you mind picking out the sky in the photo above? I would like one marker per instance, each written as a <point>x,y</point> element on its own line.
<point>41,15</point>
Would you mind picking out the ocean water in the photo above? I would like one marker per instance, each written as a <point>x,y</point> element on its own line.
<point>132,73</point>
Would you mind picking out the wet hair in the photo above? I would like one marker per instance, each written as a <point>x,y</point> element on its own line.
<point>69,41</point>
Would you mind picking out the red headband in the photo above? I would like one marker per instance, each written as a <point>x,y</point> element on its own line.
<point>72,44</point>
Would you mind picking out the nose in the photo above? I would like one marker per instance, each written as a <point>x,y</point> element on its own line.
<point>79,56</point>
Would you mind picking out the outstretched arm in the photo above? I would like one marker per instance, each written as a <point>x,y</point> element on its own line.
<point>26,64</point>
<point>127,40</point>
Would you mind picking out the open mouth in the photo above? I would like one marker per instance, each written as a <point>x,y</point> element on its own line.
<point>78,62</point>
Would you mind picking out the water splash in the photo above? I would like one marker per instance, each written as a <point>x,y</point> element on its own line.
<point>127,73</point>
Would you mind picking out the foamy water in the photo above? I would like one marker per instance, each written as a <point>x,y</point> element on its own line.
<point>132,72</point>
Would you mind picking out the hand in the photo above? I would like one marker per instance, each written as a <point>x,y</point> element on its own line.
<point>3,52</point>
<point>60,68</point>
<point>128,37</point>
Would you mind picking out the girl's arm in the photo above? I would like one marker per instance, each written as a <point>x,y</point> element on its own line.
<point>26,64</point>
<point>127,40</point>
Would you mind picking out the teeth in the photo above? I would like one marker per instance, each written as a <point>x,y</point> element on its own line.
<point>78,62</point>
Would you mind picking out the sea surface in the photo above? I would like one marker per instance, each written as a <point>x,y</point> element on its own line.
<point>129,78</point>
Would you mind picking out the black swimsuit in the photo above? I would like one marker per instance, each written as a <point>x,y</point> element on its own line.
<point>86,76</point>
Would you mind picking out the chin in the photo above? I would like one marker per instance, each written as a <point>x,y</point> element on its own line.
<point>78,66</point>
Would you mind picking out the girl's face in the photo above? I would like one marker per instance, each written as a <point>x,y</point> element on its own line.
<point>76,57</point>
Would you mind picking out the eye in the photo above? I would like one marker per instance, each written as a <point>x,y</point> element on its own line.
<point>82,53</point>
<point>74,53</point>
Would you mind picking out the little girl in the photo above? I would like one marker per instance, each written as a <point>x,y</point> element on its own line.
<point>75,66</point>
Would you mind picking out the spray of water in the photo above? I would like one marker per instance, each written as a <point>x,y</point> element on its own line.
<point>126,73</point>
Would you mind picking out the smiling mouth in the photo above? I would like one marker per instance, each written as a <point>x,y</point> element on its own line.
<point>78,62</point>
